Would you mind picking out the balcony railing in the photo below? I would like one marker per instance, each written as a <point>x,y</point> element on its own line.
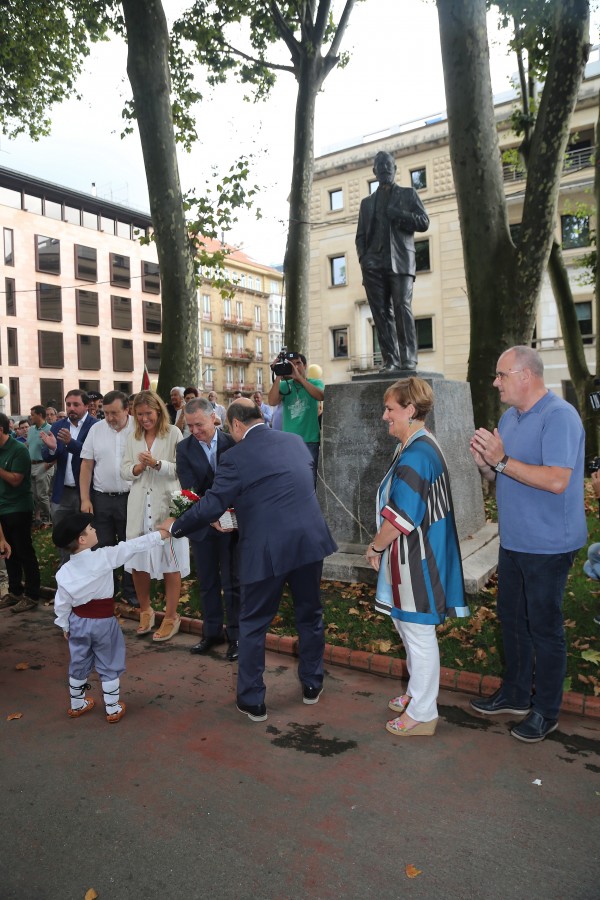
<point>573,161</point>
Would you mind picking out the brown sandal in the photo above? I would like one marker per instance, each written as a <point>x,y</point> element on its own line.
<point>168,629</point>
<point>75,713</point>
<point>146,625</point>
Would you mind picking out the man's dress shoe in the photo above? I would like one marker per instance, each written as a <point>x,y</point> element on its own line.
<point>232,651</point>
<point>206,643</point>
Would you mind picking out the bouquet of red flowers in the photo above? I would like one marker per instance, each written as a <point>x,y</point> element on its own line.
<point>181,501</point>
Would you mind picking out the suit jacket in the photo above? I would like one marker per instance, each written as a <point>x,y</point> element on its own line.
<point>62,454</point>
<point>195,473</point>
<point>406,214</point>
<point>267,477</point>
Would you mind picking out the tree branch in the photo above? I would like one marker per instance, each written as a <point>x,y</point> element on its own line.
<point>285,32</point>
<point>342,25</point>
<point>254,59</point>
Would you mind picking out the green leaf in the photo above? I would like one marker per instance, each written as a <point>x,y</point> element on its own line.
<point>567,683</point>
<point>591,656</point>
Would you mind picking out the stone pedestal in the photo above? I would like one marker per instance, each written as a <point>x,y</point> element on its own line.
<point>356,451</point>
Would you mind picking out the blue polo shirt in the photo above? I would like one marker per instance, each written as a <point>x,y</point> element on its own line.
<point>532,520</point>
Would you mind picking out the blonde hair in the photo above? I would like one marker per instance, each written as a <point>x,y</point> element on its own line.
<point>412,390</point>
<point>149,398</point>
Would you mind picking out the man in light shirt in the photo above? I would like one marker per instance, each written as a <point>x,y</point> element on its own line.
<point>41,471</point>
<point>103,492</point>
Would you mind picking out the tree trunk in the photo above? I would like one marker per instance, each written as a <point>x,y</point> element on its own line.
<point>297,254</point>
<point>503,284</point>
<point>148,70</point>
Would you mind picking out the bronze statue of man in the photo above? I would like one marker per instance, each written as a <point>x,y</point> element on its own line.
<point>385,245</point>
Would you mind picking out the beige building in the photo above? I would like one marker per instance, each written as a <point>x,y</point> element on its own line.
<point>81,302</point>
<point>342,336</point>
<point>238,334</point>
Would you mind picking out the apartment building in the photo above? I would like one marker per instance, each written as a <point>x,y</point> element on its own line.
<point>80,300</point>
<point>238,333</point>
<point>342,336</point>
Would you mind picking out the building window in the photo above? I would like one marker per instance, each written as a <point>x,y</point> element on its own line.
<point>122,355</point>
<point>120,270</point>
<point>584,317</point>
<point>72,215</point>
<point>121,312</point>
<point>88,352</point>
<point>336,200</point>
<point>86,307</point>
<point>257,316</point>
<point>340,342</point>
<point>206,306</point>
<point>52,391</point>
<point>239,309</point>
<point>107,225</point>
<point>49,302</point>
<point>50,348</point>
<point>47,255</point>
<point>228,342</point>
<point>257,284</point>
<point>13,346</point>
<point>86,263</point>
<point>125,386</point>
<point>90,220</point>
<point>338,270</point>
<point>11,297</point>
<point>422,259</point>
<point>53,210</point>
<point>418,179</point>
<point>32,204</point>
<point>10,198</point>
<point>229,374</point>
<point>259,378</point>
<point>239,341</point>
<point>575,231</point>
<point>124,230</point>
<point>152,314</point>
<point>227,309</point>
<point>243,280</point>
<point>150,277</point>
<point>373,185</point>
<point>152,355</point>
<point>424,333</point>
<point>9,247</point>
<point>88,385</point>
<point>274,287</point>
<point>207,341</point>
<point>259,347</point>
<point>14,394</point>
<point>241,374</point>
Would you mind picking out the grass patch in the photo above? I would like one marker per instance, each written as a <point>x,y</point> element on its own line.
<point>474,644</point>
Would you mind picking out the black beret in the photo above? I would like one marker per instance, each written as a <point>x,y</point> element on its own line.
<point>69,529</point>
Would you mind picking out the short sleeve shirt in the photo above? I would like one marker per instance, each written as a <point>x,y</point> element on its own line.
<point>14,457</point>
<point>300,410</point>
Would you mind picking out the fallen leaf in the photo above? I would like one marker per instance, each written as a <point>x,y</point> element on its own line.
<point>353,611</point>
<point>90,895</point>
<point>185,598</point>
<point>567,683</point>
<point>412,871</point>
<point>591,656</point>
<point>584,679</point>
<point>20,667</point>
<point>14,716</point>
<point>385,646</point>
<point>459,662</point>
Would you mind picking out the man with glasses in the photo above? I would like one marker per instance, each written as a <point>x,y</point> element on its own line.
<point>536,456</point>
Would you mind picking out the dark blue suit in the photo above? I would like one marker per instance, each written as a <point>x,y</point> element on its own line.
<point>283,537</point>
<point>62,454</point>
<point>214,553</point>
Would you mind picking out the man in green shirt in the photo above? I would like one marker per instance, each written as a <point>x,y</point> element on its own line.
<point>41,471</point>
<point>300,397</point>
<point>16,513</point>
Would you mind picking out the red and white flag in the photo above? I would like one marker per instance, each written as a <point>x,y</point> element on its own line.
<point>145,380</point>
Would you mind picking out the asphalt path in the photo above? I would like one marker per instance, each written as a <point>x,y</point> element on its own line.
<point>186,798</point>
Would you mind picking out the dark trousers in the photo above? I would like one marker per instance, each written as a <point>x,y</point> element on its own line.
<point>110,521</point>
<point>390,299</point>
<point>23,561</point>
<point>259,604</point>
<point>530,596</point>
<point>313,449</point>
<point>216,570</point>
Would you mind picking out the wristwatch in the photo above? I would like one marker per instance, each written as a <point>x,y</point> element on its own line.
<point>500,467</point>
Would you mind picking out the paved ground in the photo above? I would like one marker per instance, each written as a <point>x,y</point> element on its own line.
<point>186,798</point>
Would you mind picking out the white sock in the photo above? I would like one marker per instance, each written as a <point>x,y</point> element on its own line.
<point>77,689</point>
<point>111,696</point>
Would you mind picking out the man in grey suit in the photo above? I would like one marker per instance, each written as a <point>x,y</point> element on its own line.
<point>385,245</point>
<point>283,538</point>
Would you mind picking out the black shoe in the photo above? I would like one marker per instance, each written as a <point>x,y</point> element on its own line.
<point>233,651</point>
<point>497,705</point>
<point>206,643</point>
<point>256,713</point>
<point>597,619</point>
<point>390,370</point>
<point>311,695</point>
<point>132,601</point>
<point>534,728</point>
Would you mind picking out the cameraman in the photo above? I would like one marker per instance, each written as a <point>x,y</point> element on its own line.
<point>300,397</point>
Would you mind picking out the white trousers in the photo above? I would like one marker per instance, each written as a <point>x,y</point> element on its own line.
<point>423,664</point>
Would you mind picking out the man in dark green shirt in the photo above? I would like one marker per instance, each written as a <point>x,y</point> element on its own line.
<point>16,514</point>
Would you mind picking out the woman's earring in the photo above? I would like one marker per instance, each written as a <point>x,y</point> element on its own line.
<point>410,420</point>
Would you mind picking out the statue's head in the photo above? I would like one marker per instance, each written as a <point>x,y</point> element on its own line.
<point>384,167</point>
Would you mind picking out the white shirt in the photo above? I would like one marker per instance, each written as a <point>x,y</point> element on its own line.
<point>74,429</point>
<point>106,448</point>
<point>88,575</point>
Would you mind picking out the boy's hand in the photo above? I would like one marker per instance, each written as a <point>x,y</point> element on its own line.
<point>66,635</point>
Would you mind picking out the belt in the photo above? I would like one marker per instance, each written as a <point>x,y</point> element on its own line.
<point>70,487</point>
<point>37,462</point>
<point>111,493</point>
<point>96,609</point>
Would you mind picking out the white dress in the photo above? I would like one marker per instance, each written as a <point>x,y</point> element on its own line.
<point>148,504</point>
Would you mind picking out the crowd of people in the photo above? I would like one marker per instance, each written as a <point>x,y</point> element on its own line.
<point>113,480</point>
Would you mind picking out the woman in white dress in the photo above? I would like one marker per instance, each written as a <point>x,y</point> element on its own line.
<point>149,462</point>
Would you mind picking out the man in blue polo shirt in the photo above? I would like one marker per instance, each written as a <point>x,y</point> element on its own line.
<point>536,456</point>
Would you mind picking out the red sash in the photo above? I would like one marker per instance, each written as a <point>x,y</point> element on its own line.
<point>96,609</point>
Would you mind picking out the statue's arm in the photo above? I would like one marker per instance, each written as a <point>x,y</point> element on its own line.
<point>408,213</point>
<point>361,233</point>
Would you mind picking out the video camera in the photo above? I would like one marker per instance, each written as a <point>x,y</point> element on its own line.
<point>282,367</point>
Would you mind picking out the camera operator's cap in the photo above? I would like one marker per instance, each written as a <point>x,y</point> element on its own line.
<point>95,395</point>
<point>68,530</point>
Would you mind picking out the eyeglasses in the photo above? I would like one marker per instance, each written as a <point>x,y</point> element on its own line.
<point>500,376</point>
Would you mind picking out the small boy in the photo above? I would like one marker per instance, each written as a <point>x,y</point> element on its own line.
<point>85,610</point>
